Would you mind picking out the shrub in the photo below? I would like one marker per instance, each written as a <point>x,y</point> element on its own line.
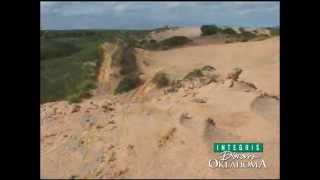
<point>261,37</point>
<point>174,41</point>
<point>193,74</point>
<point>228,41</point>
<point>209,30</point>
<point>128,83</point>
<point>244,40</point>
<point>165,44</point>
<point>229,31</point>
<point>241,29</point>
<point>246,36</point>
<point>274,31</point>
<point>151,45</point>
<point>125,58</point>
<point>152,41</point>
<point>207,68</point>
<point>161,79</point>
<point>128,62</point>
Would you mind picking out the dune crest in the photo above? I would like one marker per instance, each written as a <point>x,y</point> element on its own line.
<point>167,131</point>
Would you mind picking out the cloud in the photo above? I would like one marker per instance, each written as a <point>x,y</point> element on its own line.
<point>120,7</point>
<point>173,4</point>
<point>68,15</point>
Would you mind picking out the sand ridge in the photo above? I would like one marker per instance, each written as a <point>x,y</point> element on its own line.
<point>169,135</point>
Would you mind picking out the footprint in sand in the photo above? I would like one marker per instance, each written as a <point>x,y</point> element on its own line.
<point>243,86</point>
<point>212,132</point>
<point>266,106</point>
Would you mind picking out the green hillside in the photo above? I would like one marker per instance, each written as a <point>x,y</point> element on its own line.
<point>68,60</point>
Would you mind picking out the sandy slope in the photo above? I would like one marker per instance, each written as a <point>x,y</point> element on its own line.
<point>258,59</point>
<point>129,136</point>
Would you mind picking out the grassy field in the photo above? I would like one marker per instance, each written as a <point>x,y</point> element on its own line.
<point>68,60</point>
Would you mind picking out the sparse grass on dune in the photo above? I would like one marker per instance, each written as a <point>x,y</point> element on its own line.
<point>243,36</point>
<point>171,42</point>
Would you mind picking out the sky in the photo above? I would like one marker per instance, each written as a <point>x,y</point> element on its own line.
<point>147,15</point>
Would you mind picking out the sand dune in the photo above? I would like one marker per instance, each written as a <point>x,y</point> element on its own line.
<point>170,135</point>
<point>190,32</point>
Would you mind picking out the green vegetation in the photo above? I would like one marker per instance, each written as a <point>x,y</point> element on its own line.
<point>161,79</point>
<point>209,30</point>
<point>125,58</point>
<point>246,35</point>
<point>207,68</point>
<point>243,36</point>
<point>150,45</point>
<point>214,30</point>
<point>196,73</point>
<point>275,31</point>
<point>229,31</point>
<point>228,41</point>
<point>64,73</point>
<point>65,55</point>
<point>83,91</point>
<point>54,48</point>
<point>128,83</point>
<point>172,42</point>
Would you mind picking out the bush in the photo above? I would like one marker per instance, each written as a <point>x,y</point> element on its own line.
<point>209,30</point>
<point>207,68</point>
<point>241,29</point>
<point>151,45</point>
<point>193,74</point>
<point>152,41</point>
<point>161,79</point>
<point>274,31</point>
<point>174,41</point>
<point>244,40</point>
<point>165,44</point>
<point>128,83</point>
<point>246,35</point>
<point>229,31</point>
<point>228,41</point>
<point>128,61</point>
<point>124,57</point>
